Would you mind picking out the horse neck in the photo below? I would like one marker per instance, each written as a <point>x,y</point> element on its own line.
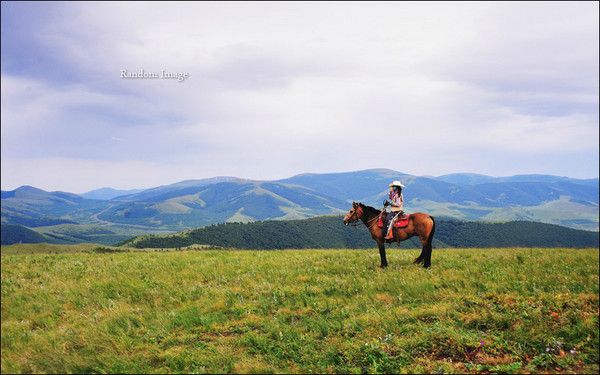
<point>368,215</point>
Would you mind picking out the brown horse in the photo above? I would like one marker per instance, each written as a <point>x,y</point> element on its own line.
<point>419,224</point>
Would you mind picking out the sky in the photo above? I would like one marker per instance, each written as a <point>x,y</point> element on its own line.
<point>278,89</point>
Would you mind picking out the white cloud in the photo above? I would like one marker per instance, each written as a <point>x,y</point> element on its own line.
<point>284,88</point>
<point>50,173</point>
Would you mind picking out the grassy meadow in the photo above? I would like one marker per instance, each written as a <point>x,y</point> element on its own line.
<point>83,309</point>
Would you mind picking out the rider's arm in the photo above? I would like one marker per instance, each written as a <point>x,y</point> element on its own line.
<point>398,201</point>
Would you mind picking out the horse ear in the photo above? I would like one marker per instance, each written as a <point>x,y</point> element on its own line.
<point>353,204</point>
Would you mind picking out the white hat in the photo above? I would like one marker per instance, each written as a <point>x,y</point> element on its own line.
<point>396,183</point>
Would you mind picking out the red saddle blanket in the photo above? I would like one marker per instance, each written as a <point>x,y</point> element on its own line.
<point>400,222</point>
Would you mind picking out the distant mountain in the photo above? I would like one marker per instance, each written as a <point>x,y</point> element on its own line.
<point>465,178</point>
<point>361,185</point>
<point>474,179</point>
<point>195,203</point>
<point>34,207</point>
<point>108,193</point>
<point>327,232</point>
<point>152,193</point>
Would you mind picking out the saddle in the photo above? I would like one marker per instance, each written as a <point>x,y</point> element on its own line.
<point>401,221</point>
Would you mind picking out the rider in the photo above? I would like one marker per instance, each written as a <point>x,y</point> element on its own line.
<point>397,203</point>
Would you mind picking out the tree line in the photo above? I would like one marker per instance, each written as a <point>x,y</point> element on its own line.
<point>329,232</point>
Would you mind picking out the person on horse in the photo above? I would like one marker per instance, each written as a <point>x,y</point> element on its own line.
<point>397,203</point>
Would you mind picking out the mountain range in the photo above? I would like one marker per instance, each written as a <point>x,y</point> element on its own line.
<point>195,203</point>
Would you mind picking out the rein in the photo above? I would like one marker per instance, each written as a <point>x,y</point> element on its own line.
<point>359,215</point>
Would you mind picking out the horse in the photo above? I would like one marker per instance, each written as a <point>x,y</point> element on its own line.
<point>419,224</point>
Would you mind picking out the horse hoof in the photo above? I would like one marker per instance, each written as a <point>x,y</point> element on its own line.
<point>383,265</point>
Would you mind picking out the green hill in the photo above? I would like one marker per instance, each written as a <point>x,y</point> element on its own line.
<point>12,234</point>
<point>328,232</point>
<point>32,207</point>
<point>66,234</point>
<point>195,203</point>
<point>84,233</point>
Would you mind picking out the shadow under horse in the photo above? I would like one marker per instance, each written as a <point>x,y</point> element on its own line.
<point>419,224</point>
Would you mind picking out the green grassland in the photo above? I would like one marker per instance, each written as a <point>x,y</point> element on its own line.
<point>82,308</point>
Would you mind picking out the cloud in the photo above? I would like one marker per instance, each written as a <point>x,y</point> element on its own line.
<point>287,88</point>
<point>49,173</point>
<point>531,57</point>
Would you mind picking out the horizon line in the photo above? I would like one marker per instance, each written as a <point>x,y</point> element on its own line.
<point>301,174</point>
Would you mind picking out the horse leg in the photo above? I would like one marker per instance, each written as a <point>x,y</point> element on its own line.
<point>382,254</point>
<point>419,259</point>
<point>427,257</point>
<point>422,256</point>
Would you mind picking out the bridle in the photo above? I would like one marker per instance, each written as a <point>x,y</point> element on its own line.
<point>357,215</point>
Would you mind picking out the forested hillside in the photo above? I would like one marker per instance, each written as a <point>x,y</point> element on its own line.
<point>328,232</point>
<point>11,234</point>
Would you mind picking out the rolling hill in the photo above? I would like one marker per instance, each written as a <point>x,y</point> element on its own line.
<point>194,203</point>
<point>34,207</point>
<point>11,234</point>
<point>65,234</point>
<point>201,204</point>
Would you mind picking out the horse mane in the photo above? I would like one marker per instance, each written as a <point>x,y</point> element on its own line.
<point>369,208</point>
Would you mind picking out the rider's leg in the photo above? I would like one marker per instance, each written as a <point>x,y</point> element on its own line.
<point>390,233</point>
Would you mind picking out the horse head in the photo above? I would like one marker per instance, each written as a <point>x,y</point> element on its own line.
<point>354,214</point>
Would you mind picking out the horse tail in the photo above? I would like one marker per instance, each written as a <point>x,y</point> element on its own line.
<point>430,238</point>
<point>428,248</point>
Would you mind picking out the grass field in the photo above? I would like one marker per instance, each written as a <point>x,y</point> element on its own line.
<point>476,310</point>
